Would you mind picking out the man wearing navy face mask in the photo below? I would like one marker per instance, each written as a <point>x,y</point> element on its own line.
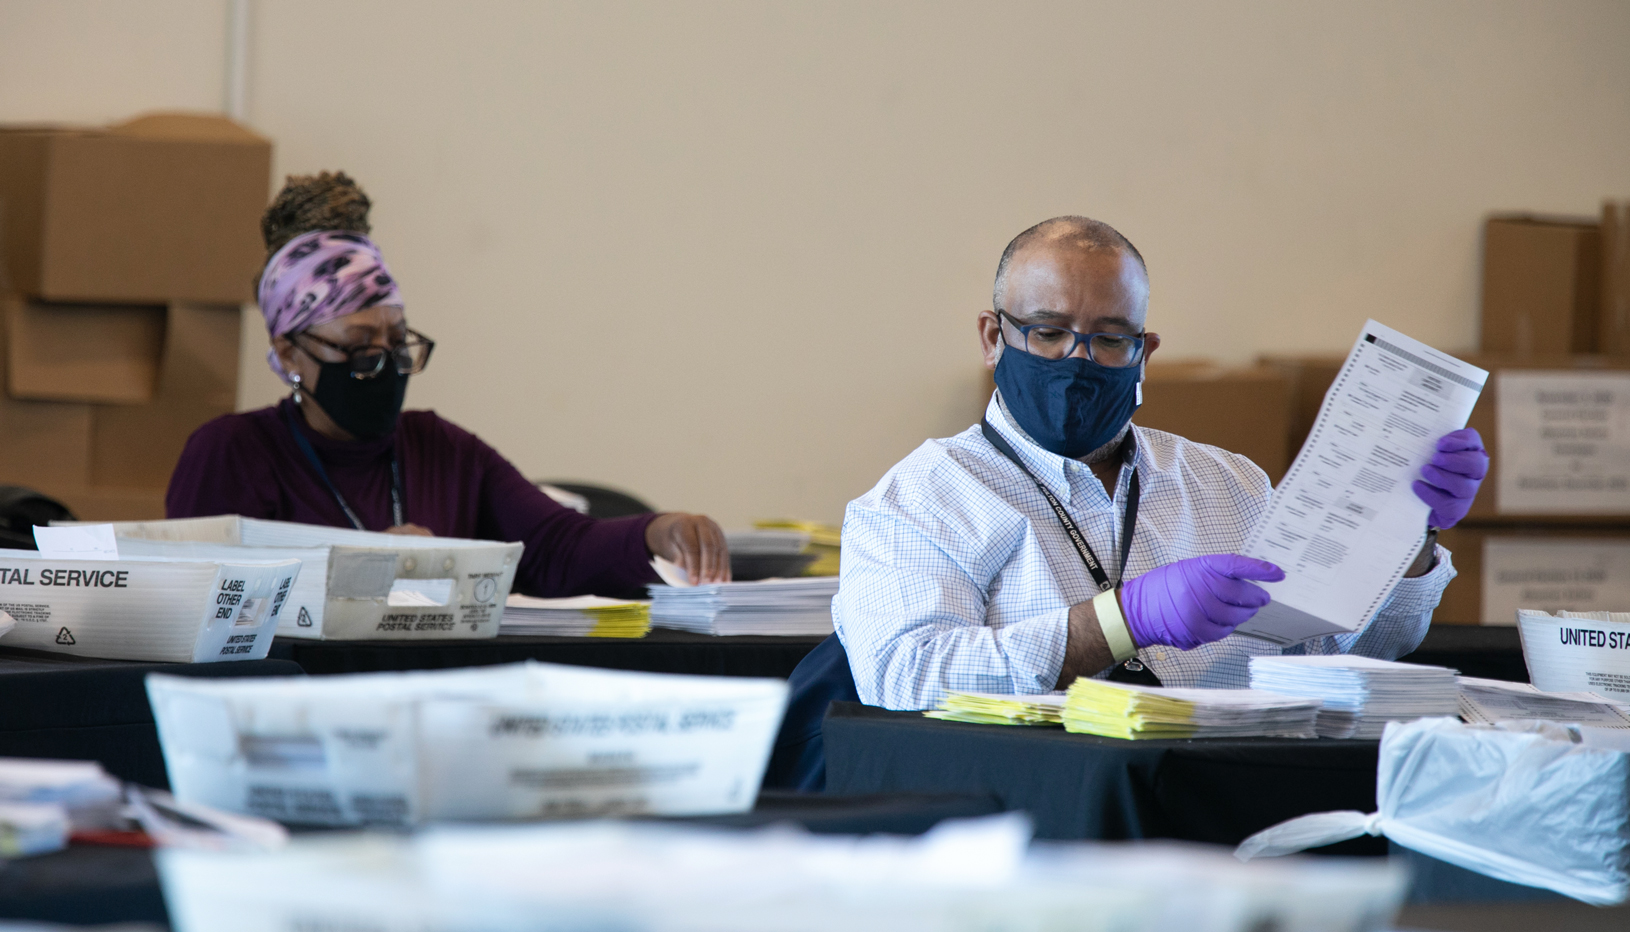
<point>1057,539</point>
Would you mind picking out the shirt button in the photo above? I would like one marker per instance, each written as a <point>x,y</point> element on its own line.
<point>1160,655</point>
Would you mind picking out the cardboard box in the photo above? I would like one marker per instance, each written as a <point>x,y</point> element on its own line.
<point>45,444</point>
<point>1613,320</point>
<point>164,207</point>
<point>1309,378</point>
<point>92,504</point>
<point>1242,410</point>
<point>1541,285</point>
<point>107,354</point>
<point>1576,577</point>
<point>137,446</point>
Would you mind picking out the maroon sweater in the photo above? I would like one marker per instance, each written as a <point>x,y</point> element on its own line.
<point>453,484</point>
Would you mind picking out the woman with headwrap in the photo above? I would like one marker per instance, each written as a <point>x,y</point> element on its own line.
<point>340,451</point>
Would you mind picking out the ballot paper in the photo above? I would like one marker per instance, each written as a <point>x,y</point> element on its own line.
<point>1489,701</point>
<point>1128,710</point>
<point>82,542</point>
<point>1344,524</point>
<point>1577,652</point>
<point>579,616</point>
<point>801,606</point>
<point>1564,443</point>
<point>358,585</point>
<point>1360,695</point>
<point>1000,709</point>
<point>141,608</point>
<point>517,741</point>
<point>644,877</point>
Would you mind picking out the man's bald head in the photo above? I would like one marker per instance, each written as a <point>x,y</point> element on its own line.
<point>1082,233</point>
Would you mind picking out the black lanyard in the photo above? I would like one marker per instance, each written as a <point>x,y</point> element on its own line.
<point>1128,524</point>
<point>317,464</point>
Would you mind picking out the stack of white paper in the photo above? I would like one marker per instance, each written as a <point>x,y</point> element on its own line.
<point>1128,710</point>
<point>524,740</point>
<point>138,608</point>
<point>1489,701</point>
<point>766,606</point>
<point>1360,694</point>
<point>667,878</point>
<point>580,616</point>
<point>1000,709</point>
<point>41,801</point>
<point>1575,652</point>
<point>357,584</point>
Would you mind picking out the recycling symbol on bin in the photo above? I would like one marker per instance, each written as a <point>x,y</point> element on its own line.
<point>65,637</point>
<point>486,589</point>
<point>304,620</point>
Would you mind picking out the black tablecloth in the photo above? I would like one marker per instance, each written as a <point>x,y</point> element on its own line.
<point>1490,651</point>
<point>54,705</point>
<point>87,884</point>
<point>661,651</point>
<point>1081,786</point>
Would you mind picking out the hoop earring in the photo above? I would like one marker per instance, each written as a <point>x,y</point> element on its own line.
<point>295,381</point>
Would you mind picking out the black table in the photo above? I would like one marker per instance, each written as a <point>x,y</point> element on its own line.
<point>90,885</point>
<point>1082,786</point>
<point>661,651</point>
<point>57,706</point>
<point>1490,651</point>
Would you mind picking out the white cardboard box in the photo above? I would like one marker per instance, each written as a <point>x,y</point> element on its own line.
<point>356,582</point>
<point>140,609</point>
<point>514,741</point>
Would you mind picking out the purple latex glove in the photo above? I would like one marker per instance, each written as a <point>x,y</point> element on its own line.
<point>1195,601</point>
<point>1452,477</point>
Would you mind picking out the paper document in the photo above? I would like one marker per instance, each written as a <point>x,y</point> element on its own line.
<point>79,542</point>
<point>1564,443</point>
<point>1344,524</point>
<point>1490,701</point>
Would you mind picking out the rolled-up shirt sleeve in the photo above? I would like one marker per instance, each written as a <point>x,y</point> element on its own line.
<point>912,616</point>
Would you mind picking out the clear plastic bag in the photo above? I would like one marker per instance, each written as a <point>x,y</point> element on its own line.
<point>1531,803</point>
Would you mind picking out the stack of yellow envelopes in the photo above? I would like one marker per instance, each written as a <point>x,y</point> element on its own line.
<point>580,616</point>
<point>1126,710</point>
<point>824,539</point>
<point>998,709</point>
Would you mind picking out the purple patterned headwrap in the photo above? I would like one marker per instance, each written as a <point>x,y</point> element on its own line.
<point>319,276</point>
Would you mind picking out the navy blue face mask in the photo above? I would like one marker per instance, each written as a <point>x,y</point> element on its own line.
<point>1069,406</point>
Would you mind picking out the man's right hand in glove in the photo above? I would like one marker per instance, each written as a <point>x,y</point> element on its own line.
<point>1182,605</point>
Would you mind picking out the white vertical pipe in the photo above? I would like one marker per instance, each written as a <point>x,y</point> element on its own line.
<point>237,59</point>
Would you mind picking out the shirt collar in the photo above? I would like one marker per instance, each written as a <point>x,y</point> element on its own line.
<point>1051,468</point>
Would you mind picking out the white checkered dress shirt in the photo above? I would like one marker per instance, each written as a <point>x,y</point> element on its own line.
<point>957,576</point>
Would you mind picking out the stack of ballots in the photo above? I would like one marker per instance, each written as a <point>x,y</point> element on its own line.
<point>766,606</point>
<point>515,741</point>
<point>1128,710</point>
<point>579,616</point>
<point>1360,694</point>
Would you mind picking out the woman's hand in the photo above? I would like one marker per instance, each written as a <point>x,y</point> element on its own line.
<point>411,530</point>
<point>693,542</point>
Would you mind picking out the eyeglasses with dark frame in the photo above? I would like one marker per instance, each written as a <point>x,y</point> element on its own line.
<point>367,361</point>
<point>1110,350</point>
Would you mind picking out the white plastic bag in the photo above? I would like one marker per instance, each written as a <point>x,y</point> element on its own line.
<point>1531,803</point>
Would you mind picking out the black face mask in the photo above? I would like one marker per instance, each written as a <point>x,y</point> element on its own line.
<point>365,408</point>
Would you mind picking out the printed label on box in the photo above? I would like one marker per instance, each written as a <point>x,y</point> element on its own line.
<point>1553,574</point>
<point>1564,443</point>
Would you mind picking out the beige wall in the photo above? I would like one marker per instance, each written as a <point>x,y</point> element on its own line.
<point>727,255</point>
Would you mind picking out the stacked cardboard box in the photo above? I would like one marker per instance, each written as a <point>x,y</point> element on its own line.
<point>127,253</point>
<point>1551,527</point>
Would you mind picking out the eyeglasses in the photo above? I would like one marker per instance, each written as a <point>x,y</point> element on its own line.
<point>368,361</point>
<point>1110,350</point>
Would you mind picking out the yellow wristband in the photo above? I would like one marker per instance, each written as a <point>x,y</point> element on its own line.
<point>1116,633</point>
